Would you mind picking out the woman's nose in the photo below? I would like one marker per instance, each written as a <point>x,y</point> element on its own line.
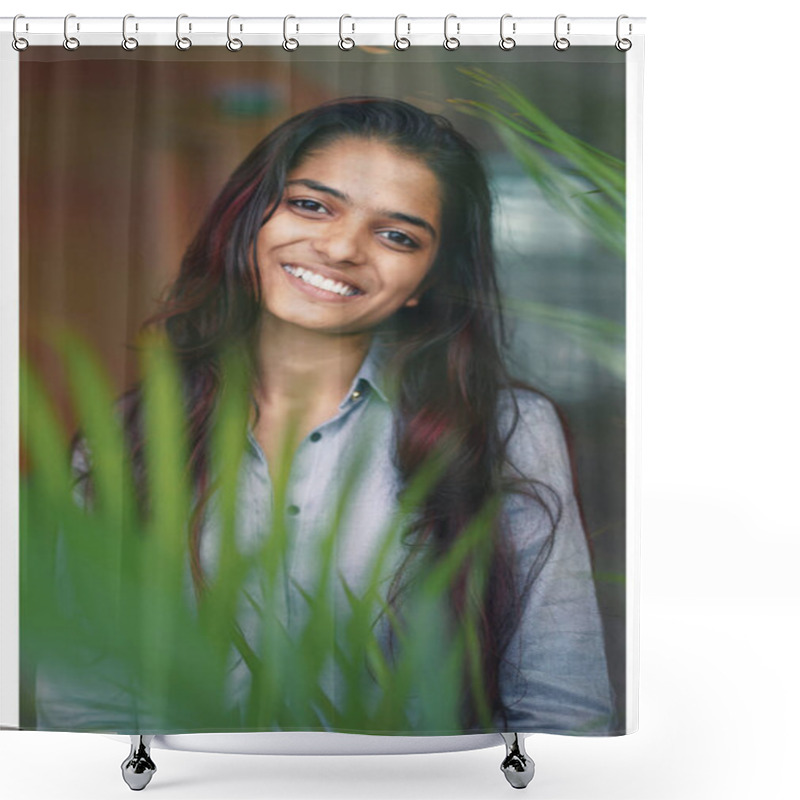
<point>342,240</point>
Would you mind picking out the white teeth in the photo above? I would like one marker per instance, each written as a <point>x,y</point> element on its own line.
<point>321,283</point>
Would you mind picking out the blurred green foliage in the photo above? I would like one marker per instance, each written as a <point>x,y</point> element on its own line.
<point>105,602</point>
<point>579,181</point>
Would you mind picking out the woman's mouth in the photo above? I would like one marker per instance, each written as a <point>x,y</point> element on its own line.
<point>318,285</point>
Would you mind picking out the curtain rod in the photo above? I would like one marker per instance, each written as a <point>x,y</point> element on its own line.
<point>451,31</point>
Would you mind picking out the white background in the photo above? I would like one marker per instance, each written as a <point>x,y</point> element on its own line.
<point>719,699</point>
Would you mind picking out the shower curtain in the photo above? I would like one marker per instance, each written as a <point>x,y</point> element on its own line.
<point>325,386</point>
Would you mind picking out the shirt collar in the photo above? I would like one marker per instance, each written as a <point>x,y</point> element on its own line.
<point>372,373</point>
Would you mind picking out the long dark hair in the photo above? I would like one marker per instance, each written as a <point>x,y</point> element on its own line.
<point>448,357</point>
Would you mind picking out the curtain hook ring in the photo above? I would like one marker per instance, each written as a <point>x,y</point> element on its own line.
<point>70,42</point>
<point>345,42</point>
<point>561,42</point>
<point>451,42</point>
<point>401,42</point>
<point>506,42</point>
<point>286,40</point>
<point>128,42</point>
<point>233,44</point>
<point>623,44</point>
<point>181,42</point>
<point>18,42</point>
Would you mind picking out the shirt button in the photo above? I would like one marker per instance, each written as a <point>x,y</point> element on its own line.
<point>316,436</point>
<point>293,510</point>
<point>356,394</point>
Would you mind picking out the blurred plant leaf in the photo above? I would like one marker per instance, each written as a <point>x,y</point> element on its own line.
<point>587,185</point>
<point>112,615</point>
<point>591,189</point>
<point>602,338</point>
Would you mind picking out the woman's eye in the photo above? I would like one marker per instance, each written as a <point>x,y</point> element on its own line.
<point>396,237</point>
<point>402,239</point>
<point>307,205</point>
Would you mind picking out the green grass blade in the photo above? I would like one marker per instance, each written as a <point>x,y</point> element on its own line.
<point>163,548</point>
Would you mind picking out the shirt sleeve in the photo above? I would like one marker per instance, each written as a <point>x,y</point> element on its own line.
<point>555,676</point>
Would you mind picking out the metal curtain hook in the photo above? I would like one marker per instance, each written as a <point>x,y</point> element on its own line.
<point>506,42</point>
<point>450,42</point>
<point>623,44</point>
<point>181,42</point>
<point>18,43</point>
<point>128,42</point>
<point>233,44</point>
<point>401,43</point>
<point>286,40</point>
<point>345,42</point>
<point>70,42</point>
<point>561,42</point>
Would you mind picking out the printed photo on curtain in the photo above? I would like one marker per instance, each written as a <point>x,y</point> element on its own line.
<point>323,390</point>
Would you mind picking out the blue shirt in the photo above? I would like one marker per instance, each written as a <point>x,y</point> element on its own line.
<point>555,678</point>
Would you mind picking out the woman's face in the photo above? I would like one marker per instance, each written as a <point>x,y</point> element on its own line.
<point>355,234</point>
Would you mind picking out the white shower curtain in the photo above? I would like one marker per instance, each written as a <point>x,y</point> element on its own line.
<point>326,387</point>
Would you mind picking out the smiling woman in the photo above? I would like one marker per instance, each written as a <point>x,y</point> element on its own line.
<point>347,235</point>
<point>339,226</point>
<point>349,258</point>
<point>336,259</point>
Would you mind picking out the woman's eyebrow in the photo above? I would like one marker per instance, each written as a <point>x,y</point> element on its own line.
<point>398,215</point>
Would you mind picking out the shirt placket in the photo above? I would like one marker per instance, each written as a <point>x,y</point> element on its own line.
<point>308,498</point>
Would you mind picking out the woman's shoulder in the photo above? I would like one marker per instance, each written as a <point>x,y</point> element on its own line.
<point>537,438</point>
<point>530,401</point>
<point>80,451</point>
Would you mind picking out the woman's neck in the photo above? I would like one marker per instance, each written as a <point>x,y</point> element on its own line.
<point>304,371</point>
